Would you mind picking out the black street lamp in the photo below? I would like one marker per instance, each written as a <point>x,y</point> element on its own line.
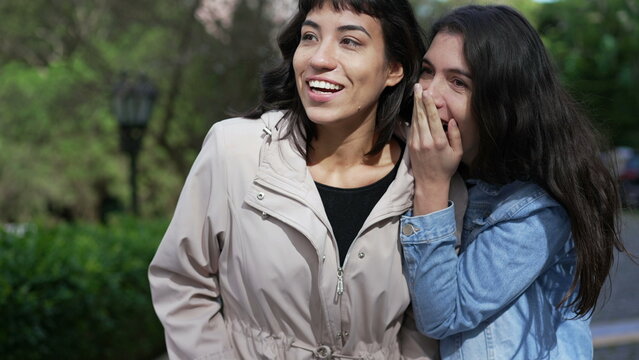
<point>133,100</point>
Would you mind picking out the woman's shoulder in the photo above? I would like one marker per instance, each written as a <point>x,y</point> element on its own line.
<point>517,199</point>
<point>238,138</point>
<point>247,127</point>
<point>242,131</point>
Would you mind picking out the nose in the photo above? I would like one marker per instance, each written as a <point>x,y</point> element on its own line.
<point>323,57</point>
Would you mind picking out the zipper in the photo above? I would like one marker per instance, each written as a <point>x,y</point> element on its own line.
<point>340,269</point>
<point>340,272</point>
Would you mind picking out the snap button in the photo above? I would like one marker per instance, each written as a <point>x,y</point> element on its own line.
<point>361,255</point>
<point>264,215</point>
<point>323,258</point>
<point>260,196</point>
<point>346,333</point>
<point>409,229</point>
<point>323,352</point>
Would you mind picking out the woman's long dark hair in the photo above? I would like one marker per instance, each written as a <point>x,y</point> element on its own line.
<point>531,129</point>
<point>404,43</point>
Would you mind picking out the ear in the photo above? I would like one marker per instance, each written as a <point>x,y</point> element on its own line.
<point>395,73</point>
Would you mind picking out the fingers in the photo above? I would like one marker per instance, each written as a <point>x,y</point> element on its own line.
<point>427,130</point>
<point>413,130</point>
<point>434,122</point>
<point>454,137</point>
<point>419,128</point>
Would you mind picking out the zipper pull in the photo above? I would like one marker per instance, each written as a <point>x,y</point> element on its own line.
<point>340,281</point>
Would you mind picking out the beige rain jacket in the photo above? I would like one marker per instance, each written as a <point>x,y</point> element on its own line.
<point>248,268</point>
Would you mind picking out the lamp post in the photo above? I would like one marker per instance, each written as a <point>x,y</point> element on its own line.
<point>133,100</point>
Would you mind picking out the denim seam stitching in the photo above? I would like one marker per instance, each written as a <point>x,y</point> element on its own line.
<point>516,208</point>
<point>429,241</point>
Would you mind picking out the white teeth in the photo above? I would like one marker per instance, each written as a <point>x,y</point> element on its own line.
<point>324,85</point>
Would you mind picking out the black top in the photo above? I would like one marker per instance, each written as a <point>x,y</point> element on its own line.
<point>347,209</point>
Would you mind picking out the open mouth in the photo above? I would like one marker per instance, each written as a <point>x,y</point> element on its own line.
<point>445,125</point>
<point>324,87</point>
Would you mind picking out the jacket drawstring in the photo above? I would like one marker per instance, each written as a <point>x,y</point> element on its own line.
<point>324,352</point>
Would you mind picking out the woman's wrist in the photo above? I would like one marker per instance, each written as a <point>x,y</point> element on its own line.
<point>430,198</point>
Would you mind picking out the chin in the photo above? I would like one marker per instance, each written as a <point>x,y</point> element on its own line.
<point>321,116</point>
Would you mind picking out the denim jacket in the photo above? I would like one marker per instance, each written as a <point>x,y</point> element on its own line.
<point>497,298</point>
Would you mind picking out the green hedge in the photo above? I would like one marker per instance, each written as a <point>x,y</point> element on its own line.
<point>79,292</point>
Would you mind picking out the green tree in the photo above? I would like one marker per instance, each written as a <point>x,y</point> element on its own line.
<point>427,11</point>
<point>58,139</point>
<point>595,45</point>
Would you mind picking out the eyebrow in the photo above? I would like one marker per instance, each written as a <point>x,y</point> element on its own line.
<point>453,70</point>
<point>343,28</point>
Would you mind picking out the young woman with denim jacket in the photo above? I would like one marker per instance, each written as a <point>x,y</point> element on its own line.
<point>542,220</point>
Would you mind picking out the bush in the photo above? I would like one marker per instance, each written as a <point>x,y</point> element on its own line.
<point>79,292</point>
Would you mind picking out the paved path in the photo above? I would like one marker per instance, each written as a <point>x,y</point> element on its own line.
<point>621,300</point>
<point>616,323</point>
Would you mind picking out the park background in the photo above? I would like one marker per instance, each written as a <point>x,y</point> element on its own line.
<point>73,254</point>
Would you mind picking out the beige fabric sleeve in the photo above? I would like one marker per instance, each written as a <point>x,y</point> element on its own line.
<point>183,273</point>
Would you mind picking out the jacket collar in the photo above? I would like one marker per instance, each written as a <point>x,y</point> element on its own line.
<point>281,163</point>
<point>284,170</point>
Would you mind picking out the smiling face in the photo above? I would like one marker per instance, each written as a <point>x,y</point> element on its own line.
<point>447,78</point>
<point>340,67</point>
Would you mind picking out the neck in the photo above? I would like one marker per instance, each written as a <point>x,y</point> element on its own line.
<point>342,146</point>
<point>339,159</point>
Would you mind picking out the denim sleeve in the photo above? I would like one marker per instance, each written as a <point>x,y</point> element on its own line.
<point>453,294</point>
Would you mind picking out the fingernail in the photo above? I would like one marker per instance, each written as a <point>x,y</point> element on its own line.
<point>452,123</point>
<point>417,87</point>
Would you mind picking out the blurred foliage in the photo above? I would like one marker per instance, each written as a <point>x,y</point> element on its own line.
<point>428,11</point>
<point>59,151</point>
<point>596,46</point>
<point>79,292</point>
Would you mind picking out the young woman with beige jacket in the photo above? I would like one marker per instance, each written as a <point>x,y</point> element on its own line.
<point>284,242</point>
